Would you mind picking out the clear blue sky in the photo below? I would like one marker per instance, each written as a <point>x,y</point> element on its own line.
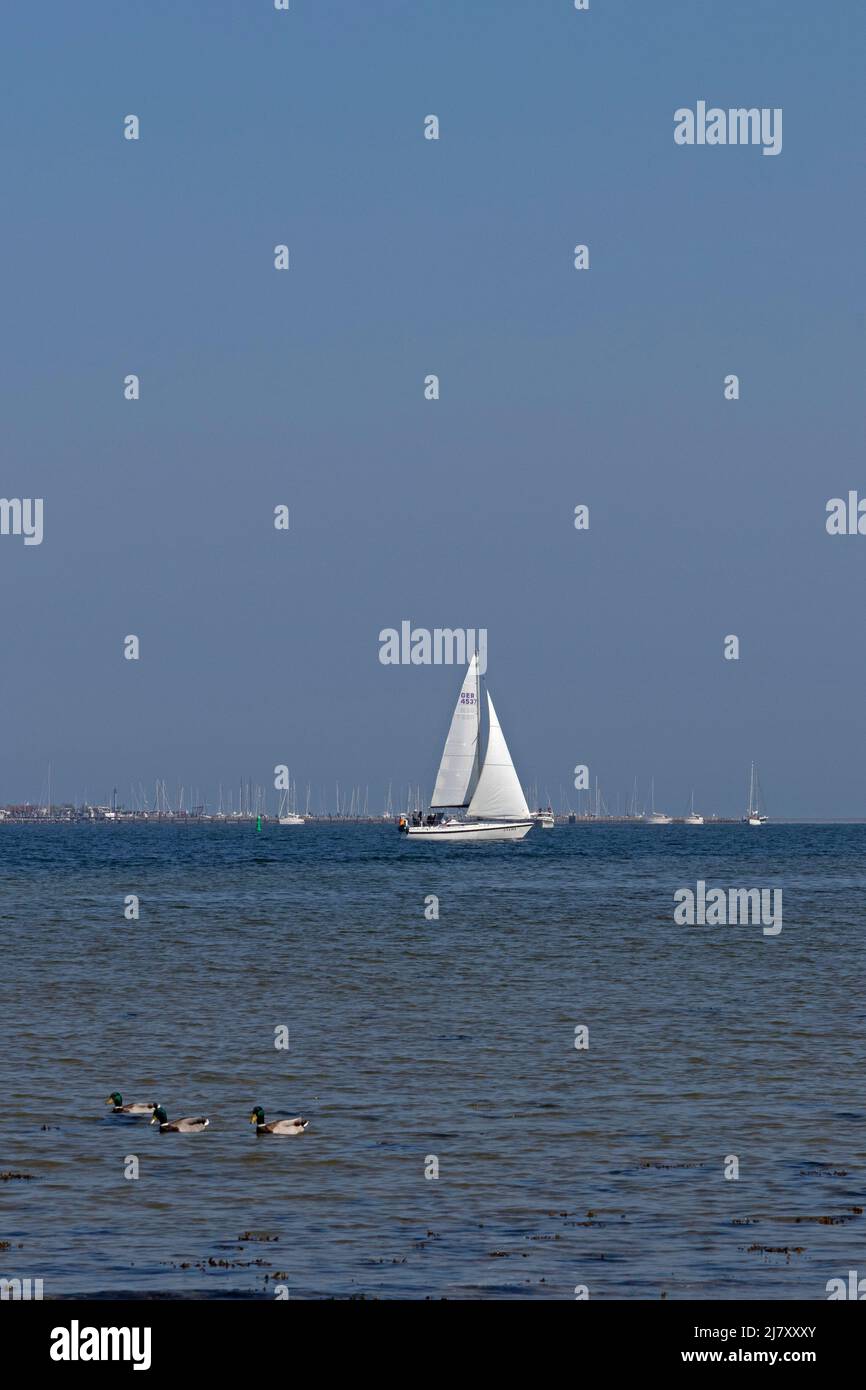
<point>558,387</point>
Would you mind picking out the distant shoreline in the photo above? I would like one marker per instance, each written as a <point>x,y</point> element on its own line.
<point>138,818</point>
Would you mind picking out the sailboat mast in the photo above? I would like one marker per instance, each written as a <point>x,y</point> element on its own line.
<point>478,707</point>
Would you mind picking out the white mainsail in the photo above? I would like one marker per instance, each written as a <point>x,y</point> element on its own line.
<point>499,793</point>
<point>458,770</point>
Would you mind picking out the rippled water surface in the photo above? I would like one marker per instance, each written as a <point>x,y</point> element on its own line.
<point>411,1038</point>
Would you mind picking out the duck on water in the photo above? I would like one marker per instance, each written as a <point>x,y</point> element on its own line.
<point>135,1107</point>
<point>188,1125</point>
<point>281,1127</point>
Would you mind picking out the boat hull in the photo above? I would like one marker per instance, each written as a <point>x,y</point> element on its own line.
<point>468,831</point>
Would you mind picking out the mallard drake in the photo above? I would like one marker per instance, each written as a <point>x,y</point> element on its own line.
<point>136,1107</point>
<point>185,1126</point>
<point>296,1126</point>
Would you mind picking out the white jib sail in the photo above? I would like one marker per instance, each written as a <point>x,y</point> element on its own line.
<point>458,770</point>
<point>499,795</point>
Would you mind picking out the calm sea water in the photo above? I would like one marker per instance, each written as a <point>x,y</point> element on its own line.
<point>411,1038</point>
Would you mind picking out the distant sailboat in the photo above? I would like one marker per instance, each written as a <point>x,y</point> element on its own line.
<point>288,814</point>
<point>693,818</point>
<point>754,815</point>
<point>489,792</point>
<point>654,817</point>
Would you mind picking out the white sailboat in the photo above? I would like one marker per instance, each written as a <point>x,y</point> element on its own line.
<point>693,818</point>
<point>754,815</point>
<point>488,791</point>
<point>543,816</point>
<point>287,814</point>
<point>654,817</point>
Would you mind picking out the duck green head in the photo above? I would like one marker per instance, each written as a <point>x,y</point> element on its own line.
<point>114,1099</point>
<point>258,1116</point>
<point>159,1116</point>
